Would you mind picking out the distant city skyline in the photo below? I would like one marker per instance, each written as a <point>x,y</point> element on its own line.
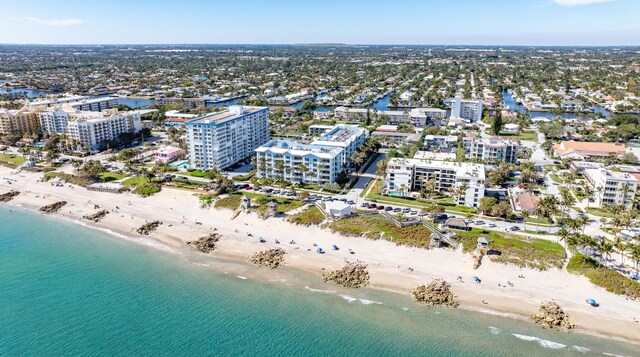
<point>402,22</point>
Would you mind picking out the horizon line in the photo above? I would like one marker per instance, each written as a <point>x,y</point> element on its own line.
<point>312,44</point>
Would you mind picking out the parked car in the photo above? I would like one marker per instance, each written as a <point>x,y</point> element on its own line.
<point>397,209</point>
<point>492,225</point>
<point>364,204</point>
<point>379,208</point>
<point>388,208</point>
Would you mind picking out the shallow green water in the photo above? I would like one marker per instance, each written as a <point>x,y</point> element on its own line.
<point>70,290</point>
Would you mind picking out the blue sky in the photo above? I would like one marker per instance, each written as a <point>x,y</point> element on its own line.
<point>473,22</point>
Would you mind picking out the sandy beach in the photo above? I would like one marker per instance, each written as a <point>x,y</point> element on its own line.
<point>389,265</point>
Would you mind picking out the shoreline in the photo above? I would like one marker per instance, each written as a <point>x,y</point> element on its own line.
<point>387,262</point>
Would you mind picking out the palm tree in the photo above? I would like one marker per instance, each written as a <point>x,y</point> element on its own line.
<point>525,215</point>
<point>621,247</point>
<point>606,249</point>
<point>563,234</point>
<point>635,252</point>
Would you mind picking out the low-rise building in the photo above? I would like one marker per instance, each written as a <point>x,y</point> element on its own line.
<point>414,175</point>
<point>79,103</point>
<point>317,130</point>
<point>390,136</point>
<point>168,153</point>
<point>584,150</point>
<point>440,142</point>
<point>491,149</point>
<point>612,187</point>
<point>417,116</point>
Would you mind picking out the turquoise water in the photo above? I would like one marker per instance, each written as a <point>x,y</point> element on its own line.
<point>69,290</point>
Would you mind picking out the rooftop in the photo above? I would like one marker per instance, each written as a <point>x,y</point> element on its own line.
<point>462,169</point>
<point>234,112</point>
<point>298,149</point>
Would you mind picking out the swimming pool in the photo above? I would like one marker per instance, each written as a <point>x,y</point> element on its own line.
<point>180,164</point>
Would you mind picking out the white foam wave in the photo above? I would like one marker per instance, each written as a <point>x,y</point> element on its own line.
<point>611,354</point>
<point>580,349</point>
<point>351,299</point>
<point>320,291</point>
<point>242,277</point>
<point>369,302</point>
<point>541,342</point>
<point>348,298</point>
<point>495,330</point>
<point>405,309</point>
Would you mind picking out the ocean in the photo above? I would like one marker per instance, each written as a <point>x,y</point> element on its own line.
<point>68,290</point>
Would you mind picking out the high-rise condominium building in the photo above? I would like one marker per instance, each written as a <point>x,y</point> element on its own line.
<point>219,140</point>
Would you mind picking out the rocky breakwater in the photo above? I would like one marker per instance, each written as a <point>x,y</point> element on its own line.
<point>270,258</point>
<point>437,292</point>
<point>551,315</point>
<point>6,197</point>
<point>53,208</point>
<point>96,217</point>
<point>353,275</point>
<point>148,228</point>
<point>206,244</point>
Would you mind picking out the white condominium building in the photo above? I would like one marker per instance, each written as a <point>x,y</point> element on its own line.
<point>54,121</point>
<point>417,116</point>
<point>491,149</point>
<point>466,109</point>
<point>80,103</point>
<point>413,175</point>
<point>219,140</point>
<point>319,162</point>
<point>299,162</point>
<point>93,129</point>
<point>612,187</point>
<point>345,137</point>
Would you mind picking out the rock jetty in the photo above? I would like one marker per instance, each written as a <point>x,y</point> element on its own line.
<point>437,292</point>
<point>551,315</point>
<point>53,208</point>
<point>6,197</point>
<point>148,228</point>
<point>206,244</point>
<point>96,217</point>
<point>353,275</point>
<point>270,258</point>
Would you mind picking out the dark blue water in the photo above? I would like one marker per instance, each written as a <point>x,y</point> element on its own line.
<point>515,107</point>
<point>31,93</point>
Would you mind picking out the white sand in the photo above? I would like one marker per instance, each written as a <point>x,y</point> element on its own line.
<point>388,264</point>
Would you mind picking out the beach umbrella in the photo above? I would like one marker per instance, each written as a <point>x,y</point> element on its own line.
<point>592,302</point>
<point>335,247</point>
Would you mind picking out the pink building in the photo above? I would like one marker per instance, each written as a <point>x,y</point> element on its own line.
<point>168,153</point>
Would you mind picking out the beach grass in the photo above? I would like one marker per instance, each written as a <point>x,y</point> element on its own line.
<point>602,276</point>
<point>231,202</point>
<point>12,160</point>
<point>310,216</point>
<point>142,185</point>
<point>76,180</point>
<point>259,202</point>
<point>536,253</point>
<point>374,227</point>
